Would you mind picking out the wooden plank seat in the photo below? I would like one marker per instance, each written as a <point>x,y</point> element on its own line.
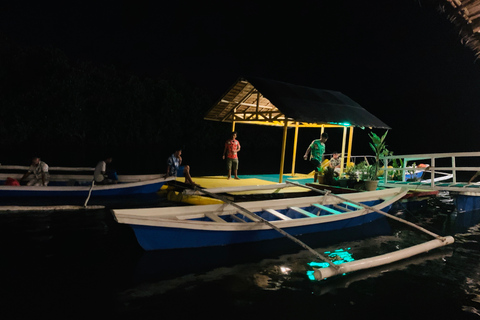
<point>346,209</point>
<point>238,219</point>
<point>325,208</point>
<point>214,217</point>
<point>349,204</point>
<point>277,214</point>
<point>305,213</point>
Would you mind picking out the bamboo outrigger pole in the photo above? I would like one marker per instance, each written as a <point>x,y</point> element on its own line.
<point>439,241</point>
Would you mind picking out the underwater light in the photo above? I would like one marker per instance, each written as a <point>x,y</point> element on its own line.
<point>285,270</point>
<point>338,256</point>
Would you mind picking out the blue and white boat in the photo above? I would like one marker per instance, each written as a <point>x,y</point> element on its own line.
<point>77,182</point>
<point>225,224</point>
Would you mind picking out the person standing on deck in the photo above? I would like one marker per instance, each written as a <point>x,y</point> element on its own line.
<point>316,151</point>
<point>174,165</point>
<point>232,146</point>
<point>39,169</point>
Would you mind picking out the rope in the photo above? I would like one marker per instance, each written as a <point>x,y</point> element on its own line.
<point>302,244</point>
<point>89,193</point>
<point>373,209</point>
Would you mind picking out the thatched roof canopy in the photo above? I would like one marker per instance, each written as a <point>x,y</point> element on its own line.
<point>465,14</point>
<point>268,102</point>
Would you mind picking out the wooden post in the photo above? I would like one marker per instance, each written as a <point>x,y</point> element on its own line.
<point>284,143</point>
<point>350,141</point>
<point>454,171</point>
<point>233,119</point>
<point>344,140</point>
<point>295,140</point>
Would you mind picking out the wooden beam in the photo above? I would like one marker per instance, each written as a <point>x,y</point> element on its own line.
<point>284,143</point>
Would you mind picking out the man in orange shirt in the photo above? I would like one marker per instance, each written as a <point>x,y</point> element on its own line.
<point>232,146</point>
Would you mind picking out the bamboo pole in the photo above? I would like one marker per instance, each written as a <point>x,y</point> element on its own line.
<point>284,144</point>
<point>323,273</point>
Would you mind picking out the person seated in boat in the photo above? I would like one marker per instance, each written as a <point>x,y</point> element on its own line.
<point>39,169</point>
<point>316,151</point>
<point>174,167</point>
<point>335,163</point>
<point>101,175</point>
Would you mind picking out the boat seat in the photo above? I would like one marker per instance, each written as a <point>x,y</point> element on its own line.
<point>342,208</point>
<point>277,214</point>
<point>214,217</point>
<point>305,213</point>
<point>349,204</point>
<point>328,209</point>
<point>234,217</point>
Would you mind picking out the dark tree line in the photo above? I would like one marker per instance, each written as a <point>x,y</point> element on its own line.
<point>74,112</point>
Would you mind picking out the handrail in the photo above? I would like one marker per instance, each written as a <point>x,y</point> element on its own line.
<point>432,158</point>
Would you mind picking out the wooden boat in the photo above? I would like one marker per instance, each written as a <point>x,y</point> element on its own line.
<point>226,224</point>
<point>73,182</point>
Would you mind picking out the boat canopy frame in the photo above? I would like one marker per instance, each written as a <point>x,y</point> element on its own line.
<point>266,102</point>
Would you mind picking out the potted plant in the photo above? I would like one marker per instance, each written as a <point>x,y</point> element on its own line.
<point>379,148</point>
<point>351,175</point>
<point>328,174</point>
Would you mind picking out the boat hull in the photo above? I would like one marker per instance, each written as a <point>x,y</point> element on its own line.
<point>128,188</point>
<point>467,202</point>
<point>159,238</point>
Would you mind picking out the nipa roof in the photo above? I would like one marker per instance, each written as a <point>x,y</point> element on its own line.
<point>269,102</point>
<point>465,14</point>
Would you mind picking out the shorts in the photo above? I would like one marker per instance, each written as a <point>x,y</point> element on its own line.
<point>316,164</point>
<point>232,164</point>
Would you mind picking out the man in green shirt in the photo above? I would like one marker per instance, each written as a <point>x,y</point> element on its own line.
<point>316,151</point>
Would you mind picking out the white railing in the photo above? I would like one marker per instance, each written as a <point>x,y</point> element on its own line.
<point>437,164</point>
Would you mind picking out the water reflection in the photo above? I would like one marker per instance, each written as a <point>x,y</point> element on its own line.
<point>83,262</point>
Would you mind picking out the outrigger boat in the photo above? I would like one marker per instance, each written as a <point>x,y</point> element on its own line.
<point>68,184</point>
<point>226,224</point>
<point>229,223</point>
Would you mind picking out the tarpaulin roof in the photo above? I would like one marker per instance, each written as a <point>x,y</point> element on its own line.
<point>270,102</point>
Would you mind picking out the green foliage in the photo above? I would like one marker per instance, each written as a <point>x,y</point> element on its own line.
<point>351,172</point>
<point>329,175</point>
<point>361,170</point>
<point>379,148</point>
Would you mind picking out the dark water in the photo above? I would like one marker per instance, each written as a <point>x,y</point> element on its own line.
<point>80,265</point>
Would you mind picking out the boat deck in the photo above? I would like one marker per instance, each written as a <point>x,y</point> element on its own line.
<point>212,182</point>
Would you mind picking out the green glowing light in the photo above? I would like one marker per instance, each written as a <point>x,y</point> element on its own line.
<point>338,256</point>
<point>346,124</point>
<point>310,275</point>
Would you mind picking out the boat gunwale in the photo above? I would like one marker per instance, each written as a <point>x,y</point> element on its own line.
<point>170,220</point>
<point>47,189</point>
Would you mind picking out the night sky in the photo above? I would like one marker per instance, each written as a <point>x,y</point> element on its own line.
<point>401,60</point>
